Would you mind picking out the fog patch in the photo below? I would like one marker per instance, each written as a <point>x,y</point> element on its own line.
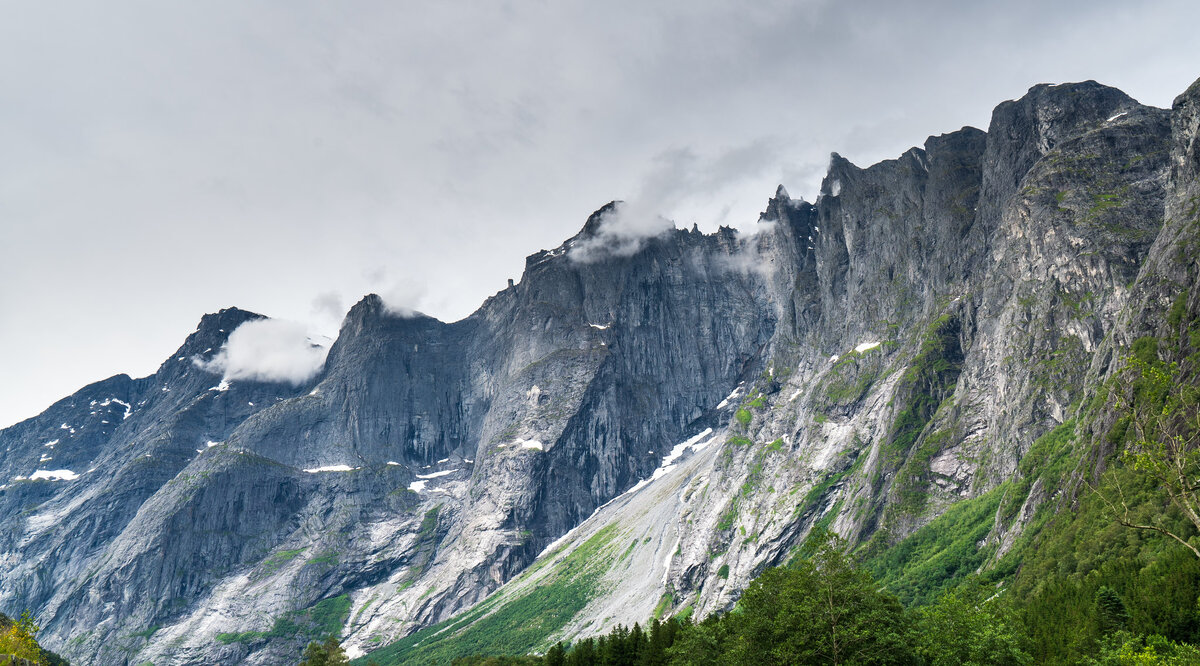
<point>621,232</point>
<point>751,255</point>
<point>678,180</point>
<point>401,298</point>
<point>268,350</point>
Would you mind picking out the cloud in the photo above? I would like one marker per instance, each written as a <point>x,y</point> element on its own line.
<point>678,182</point>
<point>402,296</point>
<point>621,232</point>
<point>329,304</point>
<point>751,254</point>
<point>268,350</point>
<point>327,311</point>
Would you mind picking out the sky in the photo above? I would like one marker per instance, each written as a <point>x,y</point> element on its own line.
<point>162,159</point>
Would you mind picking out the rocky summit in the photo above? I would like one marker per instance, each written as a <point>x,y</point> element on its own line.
<point>638,426</point>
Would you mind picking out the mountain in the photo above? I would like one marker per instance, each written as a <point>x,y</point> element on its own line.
<point>639,426</point>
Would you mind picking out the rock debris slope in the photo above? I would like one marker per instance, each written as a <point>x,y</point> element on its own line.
<point>683,407</point>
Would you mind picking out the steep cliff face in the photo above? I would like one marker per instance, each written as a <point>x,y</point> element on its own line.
<point>936,315</point>
<point>684,407</point>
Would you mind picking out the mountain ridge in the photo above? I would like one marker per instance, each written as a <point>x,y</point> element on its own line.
<point>863,362</point>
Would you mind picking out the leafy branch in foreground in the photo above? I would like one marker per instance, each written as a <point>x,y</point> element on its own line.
<point>1161,406</point>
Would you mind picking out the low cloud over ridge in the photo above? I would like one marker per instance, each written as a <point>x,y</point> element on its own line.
<point>268,350</point>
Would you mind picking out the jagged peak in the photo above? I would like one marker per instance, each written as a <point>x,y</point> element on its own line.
<point>592,226</point>
<point>778,205</point>
<point>962,136</point>
<point>214,328</point>
<point>1053,112</point>
<point>839,167</point>
<point>1185,119</point>
<point>373,306</point>
<point>1191,96</point>
<point>226,316</point>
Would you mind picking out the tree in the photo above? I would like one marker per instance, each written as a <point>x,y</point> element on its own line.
<point>700,645</point>
<point>1111,614</point>
<point>1122,648</point>
<point>556,656</point>
<point>972,625</point>
<point>17,639</point>
<point>825,610</point>
<point>582,653</point>
<point>1160,404</point>
<point>329,653</point>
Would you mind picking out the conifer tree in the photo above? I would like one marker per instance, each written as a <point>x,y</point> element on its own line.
<point>1111,614</point>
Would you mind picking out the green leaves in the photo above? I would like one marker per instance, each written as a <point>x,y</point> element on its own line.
<point>329,653</point>
<point>823,610</point>
<point>973,625</point>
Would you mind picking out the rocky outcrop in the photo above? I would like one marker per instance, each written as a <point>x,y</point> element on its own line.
<point>860,362</point>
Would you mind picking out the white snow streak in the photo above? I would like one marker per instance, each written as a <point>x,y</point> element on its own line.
<point>724,403</point>
<point>53,475</point>
<point>436,474</point>
<point>331,468</point>
<point>127,406</point>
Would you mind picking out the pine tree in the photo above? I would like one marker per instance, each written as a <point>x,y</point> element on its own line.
<point>555,656</point>
<point>1111,614</point>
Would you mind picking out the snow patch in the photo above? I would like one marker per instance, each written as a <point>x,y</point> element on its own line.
<point>679,448</point>
<point>393,463</point>
<point>331,468</point>
<point>417,486</point>
<point>729,398</point>
<point>530,444</point>
<point>436,474</point>
<point>222,387</point>
<point>866,346</point>
<point>127,406</point>
<point>1116,116</point>
<point>211,443</point>
<point>53,475</point>
<point>51,443</point>
<point>600,327</point>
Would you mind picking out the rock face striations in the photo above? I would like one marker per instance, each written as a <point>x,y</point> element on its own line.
<point>666,413</point>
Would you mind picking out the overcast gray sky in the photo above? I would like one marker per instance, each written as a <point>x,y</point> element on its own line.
<point>160,159</point>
